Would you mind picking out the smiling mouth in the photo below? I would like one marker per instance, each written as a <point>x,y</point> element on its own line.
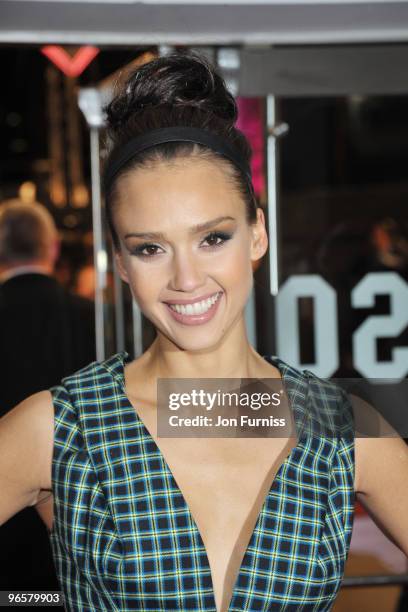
<point>197,308</point>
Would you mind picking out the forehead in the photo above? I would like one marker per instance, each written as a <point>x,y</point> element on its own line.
<point>184,187</point>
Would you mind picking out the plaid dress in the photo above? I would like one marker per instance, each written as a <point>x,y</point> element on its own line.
<point>123,537</point>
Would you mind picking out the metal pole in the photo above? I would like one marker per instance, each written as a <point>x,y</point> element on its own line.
<point>272,196</point>
<point>137,329</point>
<point>373,581</point>
<point>274,131</point>
<point>100,256</point>
<point>250,319</point>
<point>119,307</point>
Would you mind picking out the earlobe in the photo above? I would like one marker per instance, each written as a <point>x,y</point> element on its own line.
<point>121,269</point>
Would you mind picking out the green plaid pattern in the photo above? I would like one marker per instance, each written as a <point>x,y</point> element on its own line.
<point>123,536</point>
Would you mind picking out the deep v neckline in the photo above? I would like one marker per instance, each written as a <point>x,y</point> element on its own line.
<point>139,425</point>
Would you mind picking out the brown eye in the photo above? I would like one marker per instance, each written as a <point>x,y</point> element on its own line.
<point>222,237</point>
<point>150,248</point>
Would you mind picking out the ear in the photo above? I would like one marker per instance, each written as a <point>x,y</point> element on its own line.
<point>259,242</point>
<point>120,266</point>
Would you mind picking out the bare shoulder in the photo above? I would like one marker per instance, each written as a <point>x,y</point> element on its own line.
<point>26,443</point>
<point>378,446</point>
<point>38,406</point>
<point>377,458</point>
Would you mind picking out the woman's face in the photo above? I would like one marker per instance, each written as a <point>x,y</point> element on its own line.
<point>183,236</point>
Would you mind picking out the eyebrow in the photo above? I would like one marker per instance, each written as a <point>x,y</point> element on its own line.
<point>192,230</point>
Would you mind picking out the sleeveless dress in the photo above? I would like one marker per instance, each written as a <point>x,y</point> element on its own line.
<point>123,537</point>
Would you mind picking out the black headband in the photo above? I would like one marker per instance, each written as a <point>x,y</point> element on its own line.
<point>173,134</point>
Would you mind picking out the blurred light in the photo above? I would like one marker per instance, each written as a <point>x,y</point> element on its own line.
<point>165,50</point>
<point>90,103</point>
<point>57,193</point>
<point>102,261</point>
<point>73,65</point>
<point>85,284</point>
<point>28,192</point>
<point>229,58</point>
<point>80,196</point>
<point>357,99</point>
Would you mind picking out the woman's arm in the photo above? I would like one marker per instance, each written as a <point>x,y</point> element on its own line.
<point>26,446</point>
<point>381,479</point>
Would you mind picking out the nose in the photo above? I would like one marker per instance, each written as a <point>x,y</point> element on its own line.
<point>187,273</point>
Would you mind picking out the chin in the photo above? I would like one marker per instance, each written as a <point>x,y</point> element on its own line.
<point>197,348</point>
<point>192,341</point>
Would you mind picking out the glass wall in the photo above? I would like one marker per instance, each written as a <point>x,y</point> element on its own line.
<point>342,184</point>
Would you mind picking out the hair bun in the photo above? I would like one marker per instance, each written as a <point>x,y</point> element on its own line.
<point>185,79</point>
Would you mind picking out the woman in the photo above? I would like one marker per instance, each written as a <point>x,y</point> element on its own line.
<point>141,522</point>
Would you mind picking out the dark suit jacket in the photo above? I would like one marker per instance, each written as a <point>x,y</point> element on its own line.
<point>46,333</point>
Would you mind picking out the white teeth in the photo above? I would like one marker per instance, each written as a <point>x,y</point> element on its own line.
<point>197,308</point>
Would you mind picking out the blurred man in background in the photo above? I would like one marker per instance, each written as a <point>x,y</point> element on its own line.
<point>46,333</point>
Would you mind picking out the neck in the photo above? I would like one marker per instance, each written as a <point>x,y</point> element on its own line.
<point>16,269</point>
<point>233,357</point>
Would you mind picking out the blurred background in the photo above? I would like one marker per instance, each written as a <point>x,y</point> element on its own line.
<point>322,89</point>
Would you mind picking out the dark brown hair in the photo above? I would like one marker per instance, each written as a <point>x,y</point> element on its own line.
<point>181,89</point>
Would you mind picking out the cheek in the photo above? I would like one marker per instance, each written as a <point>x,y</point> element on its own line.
<point>146,282</point>
<point>239,262</point>
<point>241,274</point>
<point>140,282</point>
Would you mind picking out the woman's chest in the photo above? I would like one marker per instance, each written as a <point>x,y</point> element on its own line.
<point>136,513</point>
<point>224,483</point>
<point>137,530</point>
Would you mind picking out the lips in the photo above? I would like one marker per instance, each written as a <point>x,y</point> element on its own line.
<point>196,319</point>
<point>192,301</point>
